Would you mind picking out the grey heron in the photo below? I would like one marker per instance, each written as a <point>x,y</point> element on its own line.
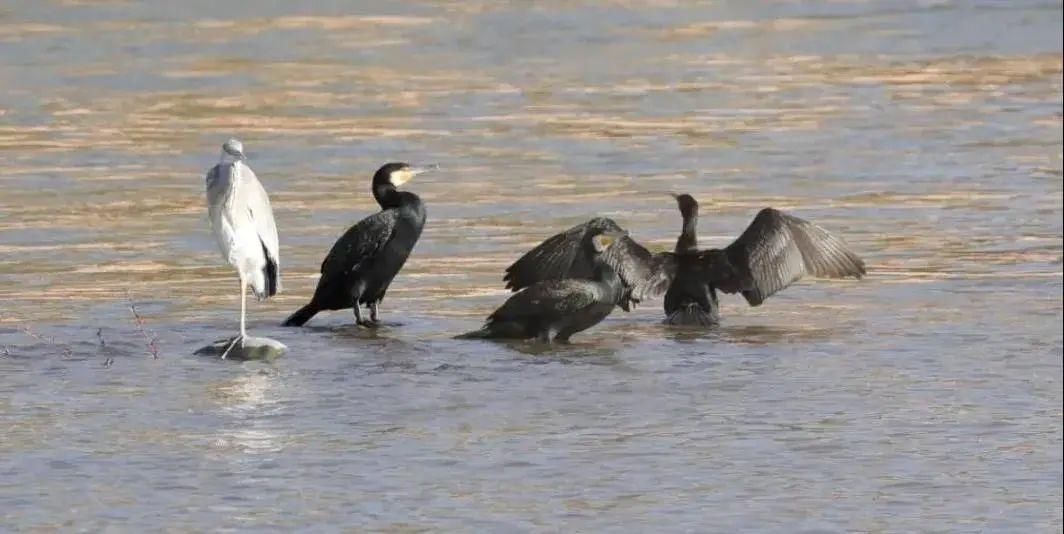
<point>242,223</point>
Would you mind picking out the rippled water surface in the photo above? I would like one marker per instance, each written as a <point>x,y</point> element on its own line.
<point>925,397</point>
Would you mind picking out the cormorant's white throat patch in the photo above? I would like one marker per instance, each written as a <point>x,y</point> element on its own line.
<point>401,176</point>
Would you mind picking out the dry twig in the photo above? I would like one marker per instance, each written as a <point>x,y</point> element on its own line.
<point>48,340</point>
<point>153,340</point>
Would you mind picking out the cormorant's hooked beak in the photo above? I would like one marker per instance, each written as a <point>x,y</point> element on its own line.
<point>406,174</point>
<point>414,171</point>
<point>686,202</point>
<point>605,240</point>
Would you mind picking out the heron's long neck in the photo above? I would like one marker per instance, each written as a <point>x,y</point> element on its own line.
<point>688,240</point>
<point>386,195</point>
<point>236,176</point>
<point>228,159</point>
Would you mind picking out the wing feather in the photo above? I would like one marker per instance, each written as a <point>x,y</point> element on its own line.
<point>566,255</point>
<point>559,256</point>
<point>261,214</point>
<point>359,243</point>
<point>776,250</point>
<point>646,275</point>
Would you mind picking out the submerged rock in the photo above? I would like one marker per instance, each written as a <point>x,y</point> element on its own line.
<point>253,348</point>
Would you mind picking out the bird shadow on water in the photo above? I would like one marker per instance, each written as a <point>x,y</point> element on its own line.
<point>394,347</point>
<point>355,332</point>
<point>350,332</point>
<point>725,334</point>
<point>534,352</point>
<point>748,334</point>
<point>351,337</point>
<point>384,349</point>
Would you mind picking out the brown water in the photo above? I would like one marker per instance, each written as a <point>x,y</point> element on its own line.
<point>925,397</point>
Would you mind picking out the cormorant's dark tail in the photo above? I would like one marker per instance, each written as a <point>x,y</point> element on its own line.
<point>300,317</point>
<point>498,330</point>
<point>690,314</point>
<point>483,333</point>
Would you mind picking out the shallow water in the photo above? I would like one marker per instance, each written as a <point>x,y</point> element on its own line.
<point>925,397</point>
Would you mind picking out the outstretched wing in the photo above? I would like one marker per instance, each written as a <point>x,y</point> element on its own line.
<point>359,244</point>
<point>775,251</point>
<point>646,275</point>
<point>568,255</point>
<point>560,256</point>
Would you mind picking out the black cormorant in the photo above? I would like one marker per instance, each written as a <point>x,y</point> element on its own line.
<point>776,250</point>
<point>690,299</point>
<point>567,255</point>
<point>363,262</point>
<point>550,310</point>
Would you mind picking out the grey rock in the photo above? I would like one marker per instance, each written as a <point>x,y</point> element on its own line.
<point>253,348</point>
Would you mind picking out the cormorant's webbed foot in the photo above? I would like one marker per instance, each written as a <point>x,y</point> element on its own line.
<point>362,321</point>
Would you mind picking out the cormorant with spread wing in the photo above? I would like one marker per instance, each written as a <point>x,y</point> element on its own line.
<point>776,250</point>
<point>555,309</point>
<point>565,255</point>
<point>363,262</point>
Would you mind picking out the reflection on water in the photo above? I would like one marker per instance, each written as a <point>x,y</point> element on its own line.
<point>924,397</point>
<point>751,334</point>
<point>247,399</point>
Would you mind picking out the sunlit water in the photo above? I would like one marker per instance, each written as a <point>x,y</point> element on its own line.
<point>925,397</point>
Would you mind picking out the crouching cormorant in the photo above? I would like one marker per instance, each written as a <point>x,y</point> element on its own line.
<point>567,255</point>
<point>363,262</point>
<point>550,310</point>
<point>776,250</point>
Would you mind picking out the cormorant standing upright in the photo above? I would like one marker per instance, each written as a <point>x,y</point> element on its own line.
<point>690,298</point>
<point>363,262</point>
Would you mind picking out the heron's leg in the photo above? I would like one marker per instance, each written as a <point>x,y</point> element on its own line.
<point>243,308</point>
<point>243,331</point>
<point>373,313</point>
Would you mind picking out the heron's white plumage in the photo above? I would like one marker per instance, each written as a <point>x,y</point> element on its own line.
<point>242,223</point>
